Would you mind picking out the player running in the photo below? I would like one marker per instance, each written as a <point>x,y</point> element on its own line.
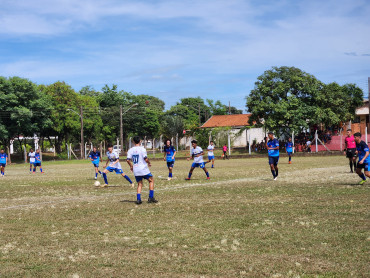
<point>211,155</point>
<point>224,149</point>
<point>169,156</point>
<point>114,166</point>
<point>31,154</point>
<point>138,161</point>
<point>272,146</point>
<point>95,159</point>
<point>289,149</point>
<point>197,153</point>
<point>3,162</point>
<point>37,162</point>
<point>363,158</point>
<point>350,149</point>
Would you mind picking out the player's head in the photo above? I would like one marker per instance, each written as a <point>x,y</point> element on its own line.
<point>2,151</point>
<point>357,137</point>
<point>349,132</point>
<point>290,139</point>
<point>136,140</point>
<point>110,148</point>
<point>94,149</point>
<point>167,142</point>
<point>270,135</point>
<point>31,150</point>
<point>212,143</point>
<point>38,150</point>
<point>194,143</point>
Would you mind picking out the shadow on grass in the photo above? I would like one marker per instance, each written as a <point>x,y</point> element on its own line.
<point>127,201</point>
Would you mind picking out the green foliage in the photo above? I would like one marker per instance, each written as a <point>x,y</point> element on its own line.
<point>171,126</point>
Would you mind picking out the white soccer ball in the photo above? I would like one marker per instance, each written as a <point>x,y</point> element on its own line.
<point>97,183</point>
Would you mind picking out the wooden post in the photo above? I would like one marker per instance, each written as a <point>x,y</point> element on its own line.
<point>82,132</point>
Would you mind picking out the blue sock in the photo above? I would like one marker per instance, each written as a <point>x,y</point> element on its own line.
<point>41,170</point>
<point>96,175</point>
<point>128,179</point>
<point>99,172</point>
<point>277,172</point>
<point>105,178</point>
<point>273,173</point>
<point>212,166</point>
<point>2,172</point>
<point>151,193</point>
<point>207,175</point>
<point>290,158</point>
<point>138,197</point>
<point>34,170</point>
<point>30,169</point>
<point>362,176</point>
<point>189,176</point>
<point>170,175</point>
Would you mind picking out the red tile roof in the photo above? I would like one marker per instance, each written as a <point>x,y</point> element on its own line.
<point>227,120</point>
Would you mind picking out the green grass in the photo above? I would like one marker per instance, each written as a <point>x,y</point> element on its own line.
<point>312,222</point>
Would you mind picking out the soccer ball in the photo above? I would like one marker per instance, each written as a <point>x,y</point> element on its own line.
<point>97,183</point>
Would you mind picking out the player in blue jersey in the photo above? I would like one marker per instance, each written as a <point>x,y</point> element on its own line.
<point>31,154</point>
<point>95,159</point>
<point>289,149</point>
<point>37,162</point>
<point>363,158</point>
<point>3,162</point>
<point>272,146</point>
<point>114,166</point>
<point>169,156</point>
<point>197,153</point>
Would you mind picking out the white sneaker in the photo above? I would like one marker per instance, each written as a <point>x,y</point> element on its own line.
<point>95,178</point>
<point>132,185</point>
<point>275,178</point>
<point>169,178</point>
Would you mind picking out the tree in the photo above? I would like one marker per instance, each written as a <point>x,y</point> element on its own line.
<point>171,126</point>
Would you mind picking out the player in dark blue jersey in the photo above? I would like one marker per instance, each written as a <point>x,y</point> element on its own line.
<point>37,162</point>
<point>169,156</point>
<point>95,159</point>
<point>289,149</point>
<point>272,146</point>
<point>3,162</point>
<point>363,158</point>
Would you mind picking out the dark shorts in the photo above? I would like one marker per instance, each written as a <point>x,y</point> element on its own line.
<point>146,177</point>
<point>96,165</point>
<point>351,153</point>
<point>170,164</point>
<point>37,164</point>
<point>273,160</point>
<point>363,166</point>
<point>290,153</point>
<point>2,165</point>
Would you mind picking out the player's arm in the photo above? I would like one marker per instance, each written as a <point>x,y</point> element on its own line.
<point>364,158</point>
<point>128,160</point>
<point>164,155</point>
<point>106,164</point>
<point>147,161</point>
<point>174,154</point>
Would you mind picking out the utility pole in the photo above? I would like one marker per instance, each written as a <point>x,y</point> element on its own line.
<point>229,109</point>
<point>121,127</point>
<point>199,112</point>
<point>82,132</point>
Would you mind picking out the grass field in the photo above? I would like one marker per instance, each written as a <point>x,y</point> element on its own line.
<point>312,222</point>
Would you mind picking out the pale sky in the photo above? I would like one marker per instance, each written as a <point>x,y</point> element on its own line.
<point>173,49</point>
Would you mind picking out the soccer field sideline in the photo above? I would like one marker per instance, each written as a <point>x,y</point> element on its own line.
<point>188,184</point>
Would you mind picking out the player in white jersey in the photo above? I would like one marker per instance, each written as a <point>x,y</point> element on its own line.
<point>114,166</point>
<point>138,160</point>
<point>211,155</point>
<point>197,153</point>
<point>31,154</point>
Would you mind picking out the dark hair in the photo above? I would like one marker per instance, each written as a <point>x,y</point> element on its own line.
<point>349,129</point>
<point>357,134</point>
<point>31,149</point>
<point>270,132</point>
<point>211,142</point>
<point>136,139</point>
<point>109,146</point>
<point>165,141</point>
<point>194,141</point>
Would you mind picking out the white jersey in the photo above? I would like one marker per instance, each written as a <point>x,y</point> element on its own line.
<point>196,151</point>
<point>112,158</point>
<point>137,155</point>
<point>32,157</point>
<point>210,150</point>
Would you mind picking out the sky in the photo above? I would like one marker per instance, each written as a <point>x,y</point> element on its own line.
<point>171,49</point>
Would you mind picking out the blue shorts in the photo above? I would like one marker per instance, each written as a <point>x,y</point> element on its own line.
<point>170,164</point>
<point>364,166</point>
<point>273,160</point>
<point>35,164</point>
<point>118,171</point>
<point>140,178</point>
<point>290,153</point>
<point>196,165</point>
<point>2,165</point>
<point>96,165</point>
<point>210,157</point>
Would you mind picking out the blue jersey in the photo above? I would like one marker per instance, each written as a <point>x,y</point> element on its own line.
<point>37,157</point>
<point>3,157</point>
<point>169,153</point>
<point>289,147</point>
<point>273,144</point>
<point>362,148</point>
<point>95,156</point>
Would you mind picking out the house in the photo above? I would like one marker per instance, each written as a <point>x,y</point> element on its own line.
<point>236,123</point>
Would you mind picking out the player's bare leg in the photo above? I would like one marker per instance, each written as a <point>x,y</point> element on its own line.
<point>139,188</point>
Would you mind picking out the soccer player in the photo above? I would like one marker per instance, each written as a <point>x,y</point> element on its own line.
<point>289,149</point>
<point>350,149</point>
<point>31,154</point>
<point>211,156</point>
<point>363,158</point>
<point>272,146</point>
<point>114,166</point>
<point>138,161</point>
<point>37,162</point>
<point>95,159</point>
<point>169,156</point>
<point>224,149</point>
<point>197,153</point>
<point>3,162</point>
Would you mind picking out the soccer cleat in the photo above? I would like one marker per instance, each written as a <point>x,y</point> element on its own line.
<point>362,182</point>
<point>187,179</point>
<point>169,178</point>
<point>208,178</point>
<point>95,178</point>
<point>290,162</point>
<point>104,185</point>
<point>138,202</point>
<point>275,178</point>
<point>152,200</point>
<point>132,185</point>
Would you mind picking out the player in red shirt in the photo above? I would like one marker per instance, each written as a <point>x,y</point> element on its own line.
<point>350,149</point>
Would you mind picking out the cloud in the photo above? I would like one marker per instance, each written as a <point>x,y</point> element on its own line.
<point>350,53</point>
